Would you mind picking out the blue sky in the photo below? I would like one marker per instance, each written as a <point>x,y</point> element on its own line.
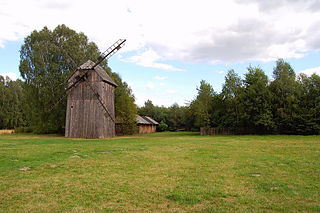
<point>173,45</point>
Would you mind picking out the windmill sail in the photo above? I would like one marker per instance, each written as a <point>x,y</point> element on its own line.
<point>105,55</point>
<point>110,51</point>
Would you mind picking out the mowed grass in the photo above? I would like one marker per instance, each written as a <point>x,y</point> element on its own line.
<point>161,172</point>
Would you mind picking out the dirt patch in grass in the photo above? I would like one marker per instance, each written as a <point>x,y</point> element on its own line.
<point>24,168</point>
<point>106,152</point>
<point>99,139</point>
<point>127,137</point>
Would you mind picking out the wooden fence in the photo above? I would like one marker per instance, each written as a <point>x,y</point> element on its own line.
<point>6,131</point>
<point>215,131</point>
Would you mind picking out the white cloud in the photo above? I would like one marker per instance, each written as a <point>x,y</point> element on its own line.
<point>13,76</point>
<point>159,97</point>
<point>220,72</point>
<point>149,58</point>
<point>217,31</point>
<point>132,87</point>
<point>150,85</point>
<point>171,91</point>
<point>160,78</point>
<point>161,84</point>
<point>311,71</point>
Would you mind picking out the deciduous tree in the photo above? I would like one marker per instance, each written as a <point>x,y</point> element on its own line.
<point>285,95</point>
<point>47,58</point>
<point>202,105</point>
<point>256,102</point>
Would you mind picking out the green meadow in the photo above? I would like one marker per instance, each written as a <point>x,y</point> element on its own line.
<point>161,172</point>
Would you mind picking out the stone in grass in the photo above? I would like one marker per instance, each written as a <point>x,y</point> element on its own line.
<point>255,175</point>
<point>75,156</point>
<point>24,168</point>
<point>53,166</point>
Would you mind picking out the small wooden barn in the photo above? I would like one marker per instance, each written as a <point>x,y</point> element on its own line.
<point>90,105</point>
<point>146,125</point>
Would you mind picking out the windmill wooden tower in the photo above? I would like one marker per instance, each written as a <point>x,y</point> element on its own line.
<point>90,102</point>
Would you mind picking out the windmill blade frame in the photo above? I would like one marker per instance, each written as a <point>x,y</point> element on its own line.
<point>110,51</point>
<point>105,55</point>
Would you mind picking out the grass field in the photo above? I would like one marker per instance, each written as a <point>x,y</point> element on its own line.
<point>161,172</point>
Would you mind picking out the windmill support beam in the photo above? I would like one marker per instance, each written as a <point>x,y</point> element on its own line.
<point>100,101</point>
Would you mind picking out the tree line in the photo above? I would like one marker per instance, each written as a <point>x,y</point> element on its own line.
<point>11,103</point>
<point>285,104</point>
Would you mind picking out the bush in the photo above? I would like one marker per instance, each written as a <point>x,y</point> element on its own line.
<point>162,126</point>
<point>27,129</point>
<point>18,130</point>
<point>195,130</point>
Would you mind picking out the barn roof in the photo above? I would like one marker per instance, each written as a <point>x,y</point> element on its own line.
<point>99,70</point>
<point>150,120</point>
<point>146,120</point>
<point>142,120</point>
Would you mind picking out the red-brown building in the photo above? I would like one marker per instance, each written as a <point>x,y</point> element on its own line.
<point>146,125</point>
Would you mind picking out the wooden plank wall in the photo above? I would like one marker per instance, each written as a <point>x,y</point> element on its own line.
<point>147,129</point>
<point>85,118</point>
<point>141,129</point>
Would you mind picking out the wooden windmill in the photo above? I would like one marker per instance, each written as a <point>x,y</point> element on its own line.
<point>90,101</point>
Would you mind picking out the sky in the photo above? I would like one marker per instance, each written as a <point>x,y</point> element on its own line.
<point>174,44</point>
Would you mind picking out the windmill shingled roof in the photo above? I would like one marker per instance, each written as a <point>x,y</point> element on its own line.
<point>100,71</point>
<point>87,65</point>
